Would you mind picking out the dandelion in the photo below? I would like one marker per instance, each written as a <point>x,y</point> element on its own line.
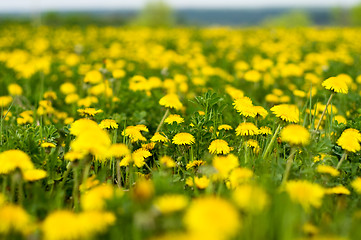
<point>171,101</point>
<point>250,198</point>
<point>212,218</point>
<point>139,157</point>
<point>254,145</point>
<point>195,163</point>
<point>339,190</point>
<point>356,185</point>
<point>336,85</point>
<point>247,129</point>
<point>34,175</point>
<point>328,170</point>
<point>183,139</point>
<point>174,118</point>
<point>94,199</point>
<point>67,88</point>
<point>224,165</point>
<point>219,146</point>
<point>349,141</point>
<point>167,161</point>
<point>5,101</point>
<point>201,182</point>
<point>305,193</point>
<point>133,133</point>
<point>14,89</point>
<point>170,203</point>
<point>224,127</point>
<point>14,218</point>
<point>75,226</point>
<point>265,131</point>
<point>47,145</point>
<point>93,77</point>
<point>10,160</point>
<point>239,176</point>
<point>295,135</point>
<point>245,107</point>
<point>108,124</point>
<point>159,137</point>
<point>89,112</point>
<point>286,112</point>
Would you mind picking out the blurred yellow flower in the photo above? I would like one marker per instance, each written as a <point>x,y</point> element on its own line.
<point>295,135</point>
<point>170,203</point>
<point>305,193</point>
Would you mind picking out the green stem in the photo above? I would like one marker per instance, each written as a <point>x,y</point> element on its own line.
<point>344,156</point>
<point>119,181</point>
<point>324,111</point>
<point>76,189</point>
<point>65,175</point>
<point>288,166</point>
<point>269,146</point>
<point>162,121</point>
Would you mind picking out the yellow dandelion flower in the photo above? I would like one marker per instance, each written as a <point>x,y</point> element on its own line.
<point>159,137</point>
<point>350,140</point>
<point>141,127</point>
<point>171,101</point>
<point>195,163</point>
<point>201,182</point>
<point>239,176</point>
<point>219,146</point>
<point>95,198</point>
<point>143,189</point>
<point>340,119</point>
<point>183,139</point>
<point>265,131</point>
<point>225,164</point>
<point>335,84</point>
<point>98,146</point>
<point>254,145</point>
<point>247,129</point>
<point>171,203</point>
<point>133,133</point>
<point>328,170</point>
<point>15,89</point>
<point>167,161</point>
<point>340,190</point>
<point>224,127</point>
<point>89,111</point>
<point>93,77</point>
<point>34,174</point>
<point>286,112</point>
<point>5,101</point>
<point>139,156</point>
<point>47,145</point>
<point>356,185</point>
<point>245,107</point>
<point>73,155</point>
<point>174,118</point>
<point>305,193</point>
<point>310,229</point>
<point>295,135</point>
<point>260,111</point>
<point>82,125</point>
<point>14,218</point>
<point>108,124</point>
<point>118,150</point>
<point>67,88</point>
<point>10,160</point>
<point>148,146</point>
<point>212,218</point>
<point>250,198</point>
<point>75,226</point>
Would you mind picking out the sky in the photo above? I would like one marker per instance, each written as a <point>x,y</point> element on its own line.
<point>45,5</point>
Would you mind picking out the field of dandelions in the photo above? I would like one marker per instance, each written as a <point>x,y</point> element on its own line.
<point>214,133</point>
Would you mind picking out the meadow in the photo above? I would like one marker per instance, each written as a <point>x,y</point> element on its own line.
<point>181,133</point>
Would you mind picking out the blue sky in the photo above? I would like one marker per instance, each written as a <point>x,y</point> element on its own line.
<point>35,5</point>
